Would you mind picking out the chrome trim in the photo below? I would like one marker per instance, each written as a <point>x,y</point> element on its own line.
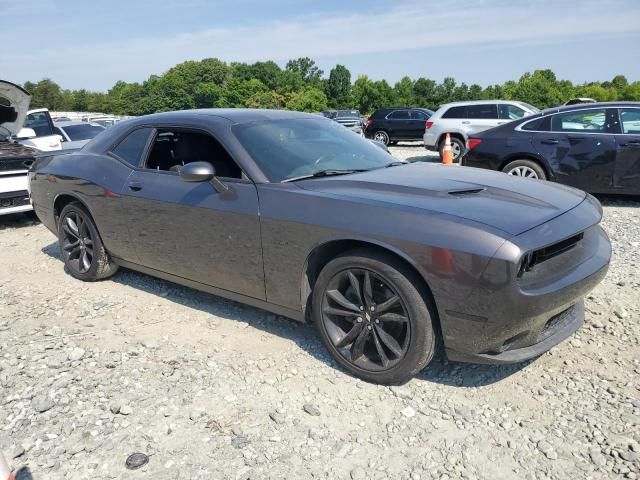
<point>519,127</point>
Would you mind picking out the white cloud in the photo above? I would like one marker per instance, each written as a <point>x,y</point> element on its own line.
<point>408,25</point>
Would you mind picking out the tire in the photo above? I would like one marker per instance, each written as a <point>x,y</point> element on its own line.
<point>75,226</point>
<point>526,169</point>
<point>457,146</point>
<point>392,143</point>
<point>409,320</point>
<point>382,136</point>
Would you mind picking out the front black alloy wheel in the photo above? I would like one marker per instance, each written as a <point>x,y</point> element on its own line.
<point>81,247</point>
<point>372,318</point>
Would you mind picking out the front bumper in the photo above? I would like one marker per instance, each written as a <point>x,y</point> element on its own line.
<point>510,317</point>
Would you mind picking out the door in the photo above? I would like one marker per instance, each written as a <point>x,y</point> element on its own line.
<point>46,138</point>
<point>417,124</point>
<point>626,175</point>
<point>579,149</point>
<point>481,117</point>
<point>399,124</point>
<point>189,229</point>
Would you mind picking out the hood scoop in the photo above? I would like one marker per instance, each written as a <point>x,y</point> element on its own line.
<point>467,191</point>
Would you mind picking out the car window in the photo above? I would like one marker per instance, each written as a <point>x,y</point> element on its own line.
<point>535,125</point>
<point>630,119</point>
<point>486,111</point>
<point>456,112</point>
<point>59,132</point>
<point>510,112</point>
<point>84,131</point>
<point>39,122</point>
<point>132,147</point>
<point>419,115</point>
<point>400,115</point>
<point>579,121</point>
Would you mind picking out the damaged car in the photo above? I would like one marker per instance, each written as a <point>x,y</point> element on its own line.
<point>292,213</point>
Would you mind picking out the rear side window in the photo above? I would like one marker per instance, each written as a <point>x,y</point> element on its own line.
<point>419,115</point>
<point>579,121</point>
<point>132,147</point>
<point>400,115</point>
<point>510,112</point>
<point>488,111</point>
<point>630,119</point>
<point>536,125</point>
<point>456,112</point>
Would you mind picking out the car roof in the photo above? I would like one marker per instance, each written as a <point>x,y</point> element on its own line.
<point>590,106</point>
<point>480,102</point>
<point>233,115</point>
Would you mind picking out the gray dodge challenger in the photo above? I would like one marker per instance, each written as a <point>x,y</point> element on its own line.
<point>295,214</point>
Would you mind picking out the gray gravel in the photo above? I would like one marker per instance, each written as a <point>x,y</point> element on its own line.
<point>208,388</point>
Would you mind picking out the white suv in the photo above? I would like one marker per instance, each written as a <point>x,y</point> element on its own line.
<point>461,119</point>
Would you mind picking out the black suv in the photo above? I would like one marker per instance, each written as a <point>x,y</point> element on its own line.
<point>389,125</point>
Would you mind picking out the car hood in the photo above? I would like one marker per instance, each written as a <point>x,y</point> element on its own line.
<point>14,103</point>
<point>513,205</point>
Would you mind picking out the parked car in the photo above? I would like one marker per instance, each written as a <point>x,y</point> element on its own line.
<point>578,101</point>
<point>594,147</point>
<point>292,213</point>
<point>104,120</point>
<point>390,125</point>
<point>347,118</point>
<point>461,119</point>
<point>77,134</point>
<point>38,131</point>
<point>15,158</point>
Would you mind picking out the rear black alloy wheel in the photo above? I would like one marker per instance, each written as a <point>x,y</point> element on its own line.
<point>77,244</point>
<point>372,318</point>
<point>82,250</point>
<point>526,169</point>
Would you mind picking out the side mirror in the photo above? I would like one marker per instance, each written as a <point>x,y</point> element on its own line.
<point>197,172</point>
<point>26,133</point>
<point>202,172</point>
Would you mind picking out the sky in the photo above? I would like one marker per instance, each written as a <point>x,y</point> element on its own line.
<point>93,44</point>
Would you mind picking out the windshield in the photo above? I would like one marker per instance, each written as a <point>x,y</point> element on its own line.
<point>285,149</point>
<point>348,114</point>
<point>82,132</point>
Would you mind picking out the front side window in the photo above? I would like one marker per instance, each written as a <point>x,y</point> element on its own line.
<point>285,149</point>
<point>510,112</point>
<point>456,113</point>
<point>132,147</point>
<point>630,120</point>
<point>399,115</point>
<point>484,112</point>
<point>173,147</point>
<point>579,121</point>
<point>39,122</point>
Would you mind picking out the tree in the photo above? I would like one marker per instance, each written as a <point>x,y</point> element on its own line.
<point>307,69</point>
<point>270,99</point>
<point>309,99</point>
<point>237,92</point>
<point>338,88</point>
<point>403,93</point>
<point>45,94</point>
<point>424,92</point>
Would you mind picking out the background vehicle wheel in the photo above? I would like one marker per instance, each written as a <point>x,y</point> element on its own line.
<point>392,143</point>
<point>526,169</point>
<point>381,136</point>
<point>457,147</point>
<point>372,318</point>
<point>83,253</point>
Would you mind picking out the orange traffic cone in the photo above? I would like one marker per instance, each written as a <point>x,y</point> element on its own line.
<point>5,473</point>
<point>447,153</point>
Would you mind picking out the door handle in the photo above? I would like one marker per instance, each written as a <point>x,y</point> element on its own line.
<point>135,186</point>
<point>465,123</point>
<point>550,141</point>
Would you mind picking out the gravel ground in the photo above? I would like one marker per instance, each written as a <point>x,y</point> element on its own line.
<point>208,388</point>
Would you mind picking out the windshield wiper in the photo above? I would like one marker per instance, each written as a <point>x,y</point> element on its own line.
<point>325,173</point>
<point>396,163</point>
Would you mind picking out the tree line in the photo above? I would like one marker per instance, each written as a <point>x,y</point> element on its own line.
<point>302,85</point>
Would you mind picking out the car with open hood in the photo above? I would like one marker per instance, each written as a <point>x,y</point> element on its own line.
<point>15,158</point>
<point>292,213</point>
